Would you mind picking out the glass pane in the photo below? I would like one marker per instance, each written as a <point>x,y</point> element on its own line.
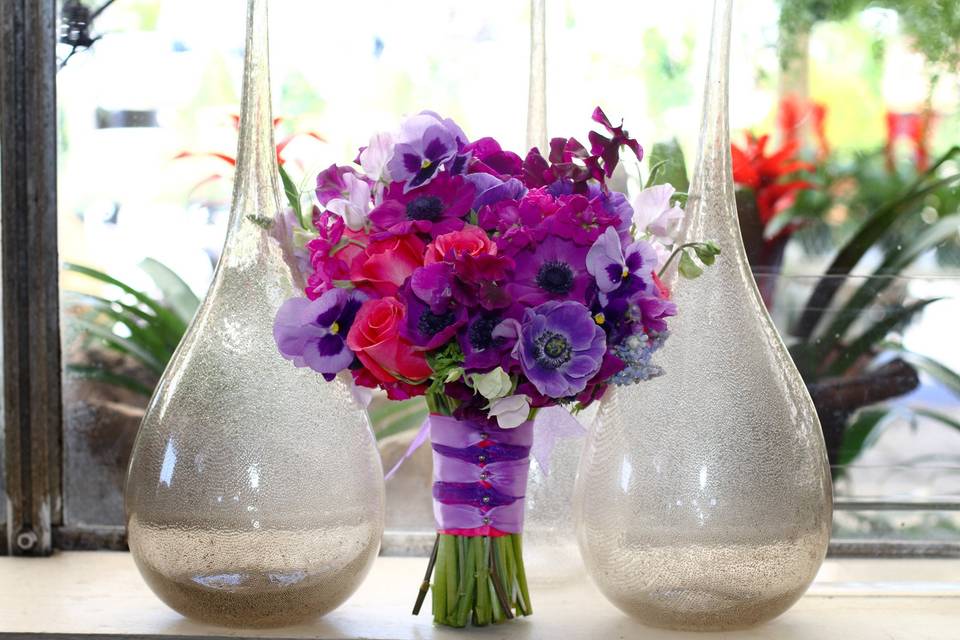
<point>147,131</point>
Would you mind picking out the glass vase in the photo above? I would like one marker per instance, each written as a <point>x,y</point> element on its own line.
<point>255,493</point>
<point>703,499</point>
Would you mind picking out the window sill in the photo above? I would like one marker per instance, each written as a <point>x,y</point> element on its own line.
<point>100,594</point>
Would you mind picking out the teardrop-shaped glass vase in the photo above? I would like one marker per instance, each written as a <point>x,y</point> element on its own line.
<point>704,499</point>
<point>255,493</point>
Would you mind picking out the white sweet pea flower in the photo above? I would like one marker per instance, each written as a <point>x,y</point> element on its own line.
<point>652,212</point>
<point>355,207</point>
<point>491,385</point>
<point>375,157</point>
<point>510,412</point>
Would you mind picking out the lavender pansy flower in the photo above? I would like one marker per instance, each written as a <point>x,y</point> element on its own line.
<point>312,333</point>
<point>560,348</point>
<point>611,265</point>
<point>425,143</point>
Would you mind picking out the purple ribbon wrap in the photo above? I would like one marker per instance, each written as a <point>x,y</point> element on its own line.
<point>480,476</point>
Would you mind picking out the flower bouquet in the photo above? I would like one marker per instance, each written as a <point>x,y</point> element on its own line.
<point>494,285</point>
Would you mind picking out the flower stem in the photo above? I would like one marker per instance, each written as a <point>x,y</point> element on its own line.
<point>676,252</point>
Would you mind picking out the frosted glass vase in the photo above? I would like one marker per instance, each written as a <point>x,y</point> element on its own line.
<point>255,493</point>
<point>703,499</point>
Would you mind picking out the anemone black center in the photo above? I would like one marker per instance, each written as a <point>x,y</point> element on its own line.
<point>555,277</point>
<point>480,332</point>
<point>552,350</point>
<point>431,323</point>
<point>424,208</point>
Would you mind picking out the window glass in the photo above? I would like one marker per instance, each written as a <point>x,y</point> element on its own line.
<point>147,130</point>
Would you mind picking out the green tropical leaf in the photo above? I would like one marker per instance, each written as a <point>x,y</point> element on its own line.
<point>130,346</point>
<point>855,436</point>
<point>872,229</point>
<point>103,375</point>
<point>932,367</point>
<point>145,335</point>
<point>895,261</point>
<point>169,319</point>
<point>390,418</point>
<point>176,293</point>
<point>872,337</point>
<point>940,417</point>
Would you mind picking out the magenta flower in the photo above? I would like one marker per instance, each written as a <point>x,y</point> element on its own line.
<point>611,265</point>
<point>582,220</point>
<point>434,209</point>
<point>425,144</point>
<point>331,183</point>
<point>555,269</point>
<point>560,348</point>
<point>312,333</point>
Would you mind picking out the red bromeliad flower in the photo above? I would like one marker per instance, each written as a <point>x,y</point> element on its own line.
<point>764,173</point>
<point>916,127</point>
<point>794,114</point>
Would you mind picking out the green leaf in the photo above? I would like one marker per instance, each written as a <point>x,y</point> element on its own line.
<point>170,321</point>
<point>129,346</point>
<point>107,314</point>
<point>176,293</point>
<point>940,417</point>
<point>872,229</point>
<point>103,375</point>
<point>389,417</point>
<point>667,158</point>
<point>688,268</point>
<point>895,261</point>
<point>870,339</point>
<point>293,194</point>
<point>857,432</point>
<point>707,252</point>
<point>932,367</point>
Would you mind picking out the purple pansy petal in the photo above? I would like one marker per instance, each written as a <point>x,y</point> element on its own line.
<point>312,333</point>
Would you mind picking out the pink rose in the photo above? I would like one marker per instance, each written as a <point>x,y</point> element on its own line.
<point>375,338</point>
<point>383,266</point>
<point>470,240</point>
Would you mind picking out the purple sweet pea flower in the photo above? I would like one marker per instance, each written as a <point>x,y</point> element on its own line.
<point>437,208</point>
<point>560,348</point>
<point>424,328</point>
<point>489,157</point>
<point>555,269</point>
<point>311,333</point>
<point>434,284</point>
<point>331,183</point>
<point>610,265</point>
<point>426,142</point>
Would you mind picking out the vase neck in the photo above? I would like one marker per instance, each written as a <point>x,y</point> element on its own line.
<point>256,198</point>
<point>711,187</point>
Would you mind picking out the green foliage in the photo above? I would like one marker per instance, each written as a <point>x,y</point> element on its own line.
<point>667,165</point>
<point>133,323</point>
<point>706,252</point>
<point>933,25</point>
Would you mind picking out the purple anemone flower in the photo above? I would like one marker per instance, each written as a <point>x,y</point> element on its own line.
<point>611,265</point>
<point>312,333</point>
<point>435,209</point>
<point>482,347</point>
<point>560,348</point>
<point>422,326</point>
<point>555,269</point>
<point>426,142</point>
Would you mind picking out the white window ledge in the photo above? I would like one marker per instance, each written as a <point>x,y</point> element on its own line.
<point>100,594</point>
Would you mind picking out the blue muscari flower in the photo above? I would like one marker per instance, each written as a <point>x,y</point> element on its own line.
<point>635,352</point>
